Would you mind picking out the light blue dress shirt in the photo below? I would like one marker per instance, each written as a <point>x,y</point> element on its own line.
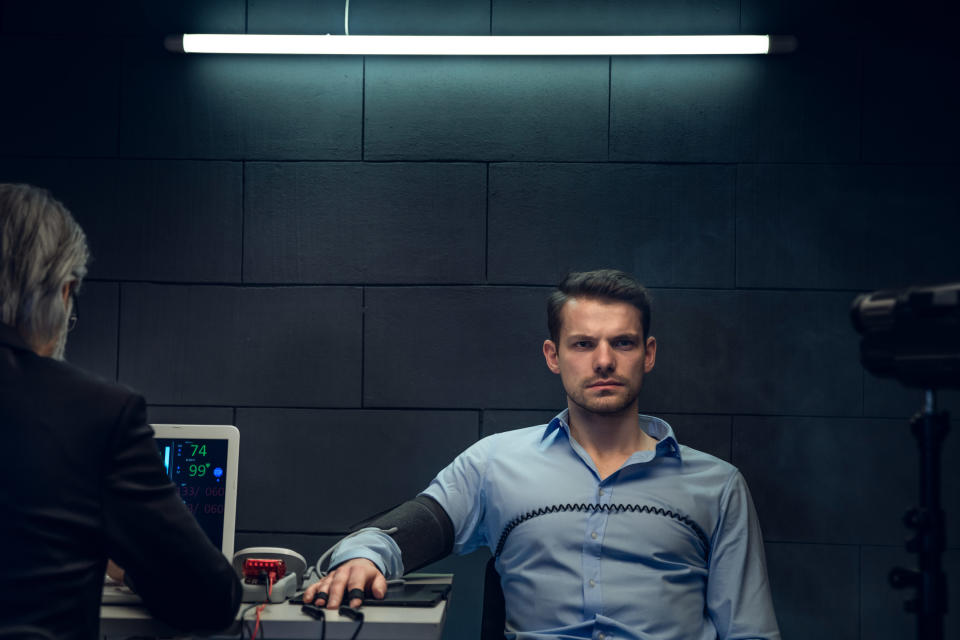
<point>666,547</point>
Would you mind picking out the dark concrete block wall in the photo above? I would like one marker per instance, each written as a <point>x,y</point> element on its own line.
<point>347,257</point>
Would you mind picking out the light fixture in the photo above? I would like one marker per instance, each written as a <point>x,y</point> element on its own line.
<point>479,45</point>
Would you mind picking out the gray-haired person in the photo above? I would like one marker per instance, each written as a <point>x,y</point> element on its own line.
<point>82,480</point>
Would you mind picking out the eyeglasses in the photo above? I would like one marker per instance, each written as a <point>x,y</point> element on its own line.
<point>74,311</point>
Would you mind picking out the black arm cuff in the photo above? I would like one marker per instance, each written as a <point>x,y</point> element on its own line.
<point>424,531</point>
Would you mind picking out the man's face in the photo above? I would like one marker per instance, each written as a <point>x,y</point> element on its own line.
<point>601,356</point>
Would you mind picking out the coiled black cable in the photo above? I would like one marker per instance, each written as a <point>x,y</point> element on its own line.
<point>594,508</point>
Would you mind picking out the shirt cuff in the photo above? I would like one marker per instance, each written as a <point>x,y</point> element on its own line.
<point>374,545</point>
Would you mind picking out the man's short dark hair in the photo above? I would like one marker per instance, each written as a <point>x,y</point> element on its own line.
<point>605,284</point>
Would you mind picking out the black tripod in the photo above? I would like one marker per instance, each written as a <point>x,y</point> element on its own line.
<point>930,602</point>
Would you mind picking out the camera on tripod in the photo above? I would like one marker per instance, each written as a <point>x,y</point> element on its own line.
<point>913,335</point>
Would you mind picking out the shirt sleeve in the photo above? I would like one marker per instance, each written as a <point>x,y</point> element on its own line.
<point>374,545</point>
<point>459,489</point>
<point>738,591</point>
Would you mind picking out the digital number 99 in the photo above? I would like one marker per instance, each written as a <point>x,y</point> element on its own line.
<point>198,470</point>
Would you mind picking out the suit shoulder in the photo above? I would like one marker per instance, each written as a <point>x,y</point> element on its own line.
<point>89,381</point>
<point>60,384</point>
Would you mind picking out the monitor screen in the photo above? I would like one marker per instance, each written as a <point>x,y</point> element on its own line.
<point>198,467</point>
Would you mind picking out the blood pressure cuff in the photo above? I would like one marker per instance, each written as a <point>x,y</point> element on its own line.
<point>424,531</point>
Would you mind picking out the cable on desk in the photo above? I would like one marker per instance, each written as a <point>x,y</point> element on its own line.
<point>244,625</point>
<point>353,614</point>
<point>316,613</point>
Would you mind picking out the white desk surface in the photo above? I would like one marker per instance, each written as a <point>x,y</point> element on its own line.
<point>287,621</point>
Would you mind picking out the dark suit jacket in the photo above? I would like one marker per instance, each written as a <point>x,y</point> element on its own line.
<point>80,481</point>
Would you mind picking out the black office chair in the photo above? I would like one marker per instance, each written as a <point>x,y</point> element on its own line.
<point>494,614</point>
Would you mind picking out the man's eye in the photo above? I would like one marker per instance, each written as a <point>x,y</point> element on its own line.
<point>582,344</point>
<point>624,343</point>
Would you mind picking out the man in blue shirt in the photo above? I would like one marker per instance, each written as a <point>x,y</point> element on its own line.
<point>601,524</point>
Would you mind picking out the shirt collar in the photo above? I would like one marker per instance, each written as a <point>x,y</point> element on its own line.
<point>660,430</point>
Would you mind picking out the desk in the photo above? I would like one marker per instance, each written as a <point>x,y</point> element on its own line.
<point>287,621</point>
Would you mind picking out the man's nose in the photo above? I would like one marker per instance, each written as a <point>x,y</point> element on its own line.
<point>604,360</point>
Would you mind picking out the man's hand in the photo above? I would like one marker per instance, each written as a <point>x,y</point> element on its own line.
<point>358,573</point>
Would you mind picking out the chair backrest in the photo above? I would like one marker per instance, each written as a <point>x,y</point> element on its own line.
<point>494,617</point>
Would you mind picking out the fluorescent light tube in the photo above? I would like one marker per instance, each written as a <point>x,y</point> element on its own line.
<point>479,45</point>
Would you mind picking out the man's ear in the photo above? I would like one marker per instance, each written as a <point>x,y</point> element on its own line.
<point>550,355</point>
<point>649,354</point>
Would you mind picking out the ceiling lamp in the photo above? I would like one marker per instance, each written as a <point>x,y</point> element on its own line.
<point>479,45</point>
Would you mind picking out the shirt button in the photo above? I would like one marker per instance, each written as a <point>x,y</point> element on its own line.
<point>594,535</point>
<point>592,583</point>
<point>601,636</point>
<point>602,491</point>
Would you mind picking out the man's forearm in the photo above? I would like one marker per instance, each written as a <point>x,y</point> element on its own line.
<point>420,533</point>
